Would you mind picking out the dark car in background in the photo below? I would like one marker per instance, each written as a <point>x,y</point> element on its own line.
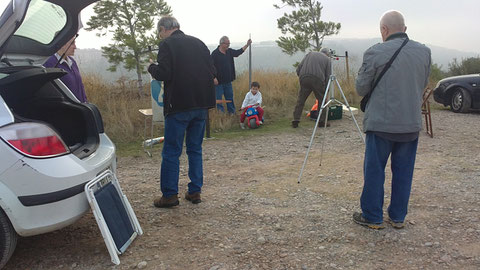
<point>461,93</point>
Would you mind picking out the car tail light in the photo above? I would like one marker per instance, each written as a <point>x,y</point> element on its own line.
<point>34,140</point>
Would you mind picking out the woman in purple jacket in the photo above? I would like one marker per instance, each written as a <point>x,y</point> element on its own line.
<point>72,79</point>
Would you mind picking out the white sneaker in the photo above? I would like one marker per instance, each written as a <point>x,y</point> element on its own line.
<point>242,125</point>
<point>261,122</point>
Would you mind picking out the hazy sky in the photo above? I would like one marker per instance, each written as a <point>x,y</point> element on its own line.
<point>446,23</point>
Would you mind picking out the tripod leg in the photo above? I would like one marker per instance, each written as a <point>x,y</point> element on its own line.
<point>315,129</point>
<point>353,116</point>
<point>323,134</point>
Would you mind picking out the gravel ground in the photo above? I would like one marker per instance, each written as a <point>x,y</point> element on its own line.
<point>254,214</point>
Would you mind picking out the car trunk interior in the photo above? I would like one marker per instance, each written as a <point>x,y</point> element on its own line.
<point>32,95</point>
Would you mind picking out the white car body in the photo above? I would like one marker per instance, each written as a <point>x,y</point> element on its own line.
<point>43,180</point>
<point>41,194</point>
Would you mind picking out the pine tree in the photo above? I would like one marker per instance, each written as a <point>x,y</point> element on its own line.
<point>303,29</point>
<point>132,24</point>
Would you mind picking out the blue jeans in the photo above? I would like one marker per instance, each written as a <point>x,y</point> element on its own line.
<point>191,123</point>
<point>403,155</point>
<point>226,90</point>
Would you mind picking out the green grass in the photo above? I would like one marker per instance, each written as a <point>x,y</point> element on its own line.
<point>437,106</point>
<point>276,126</point>
<point>130,149</point>
<point>279,125</point>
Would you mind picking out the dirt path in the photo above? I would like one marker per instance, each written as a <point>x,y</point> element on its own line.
<point>254,215</point>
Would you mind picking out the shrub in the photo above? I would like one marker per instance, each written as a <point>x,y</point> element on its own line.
<point>469,65</point>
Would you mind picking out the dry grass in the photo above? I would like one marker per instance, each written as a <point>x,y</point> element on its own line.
<point>119,102</point>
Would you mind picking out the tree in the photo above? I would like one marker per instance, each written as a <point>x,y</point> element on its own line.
<point>303,28</point>
<point>436,73</point>
<point>470,65</point>
<point>131,23</point>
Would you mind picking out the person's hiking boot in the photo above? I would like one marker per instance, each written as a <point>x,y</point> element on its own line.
<point>359,219</point>
<point>396,224</point>
<point>295,123</point>
<point>166,202</point>
<point>322,124</point>
<point>194,197</point>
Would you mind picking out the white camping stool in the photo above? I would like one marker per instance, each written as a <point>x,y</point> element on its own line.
<point>114,214</point>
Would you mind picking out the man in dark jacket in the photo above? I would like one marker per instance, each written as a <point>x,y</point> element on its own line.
<point>225,67</point>
<point>186,68</point>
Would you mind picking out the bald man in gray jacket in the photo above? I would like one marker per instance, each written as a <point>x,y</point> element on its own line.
<point>313,73</point>
<point>392,120</point>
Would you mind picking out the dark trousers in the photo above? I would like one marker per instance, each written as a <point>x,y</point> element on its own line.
<point>309,83</point>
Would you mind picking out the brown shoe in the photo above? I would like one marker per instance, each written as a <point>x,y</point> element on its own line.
<point>194,197</point>
<point>163,202</point>
<point>295,123</point>
<point>359,219</point>
<point>396,224</point>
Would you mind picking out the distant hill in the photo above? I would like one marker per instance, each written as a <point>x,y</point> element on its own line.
<point>267,56</point>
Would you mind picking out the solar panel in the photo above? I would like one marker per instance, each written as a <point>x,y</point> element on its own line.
<point>114,215</point>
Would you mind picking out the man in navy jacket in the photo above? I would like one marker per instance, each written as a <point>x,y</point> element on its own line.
<point>223,60</point>
<point>186,68</point>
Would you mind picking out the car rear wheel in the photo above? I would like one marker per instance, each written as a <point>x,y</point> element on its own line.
<point>8,239</point>
<point>461,101</point>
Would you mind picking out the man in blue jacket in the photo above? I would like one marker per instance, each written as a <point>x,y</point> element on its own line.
<point>186,68</point>
<point>223,60</point>
<point>392,120</point>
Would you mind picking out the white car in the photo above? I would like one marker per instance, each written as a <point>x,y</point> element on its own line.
<point>51,145</point>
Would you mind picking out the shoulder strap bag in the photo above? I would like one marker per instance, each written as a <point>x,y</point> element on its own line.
<point>364,101</point>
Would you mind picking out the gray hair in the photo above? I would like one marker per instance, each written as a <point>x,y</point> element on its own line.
<point>223,39</point>
<point>168,22</point>
<point>326,51</point>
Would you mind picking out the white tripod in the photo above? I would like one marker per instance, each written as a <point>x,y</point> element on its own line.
<point>330,89</point>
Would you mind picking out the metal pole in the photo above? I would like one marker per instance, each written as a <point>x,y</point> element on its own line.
<point>348,69</point>
<point>249,62</point>
<point>207,124</point>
